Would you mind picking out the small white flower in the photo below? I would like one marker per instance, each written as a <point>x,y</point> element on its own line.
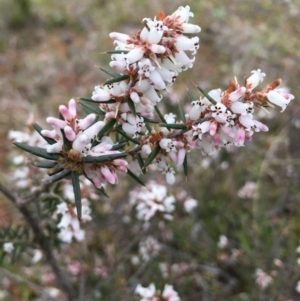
<point>8,247</point>
<point>256,78</point>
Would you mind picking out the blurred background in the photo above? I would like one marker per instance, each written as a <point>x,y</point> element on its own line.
<point>50,51</point>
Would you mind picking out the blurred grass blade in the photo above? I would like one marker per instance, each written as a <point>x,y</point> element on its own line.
<point>105,158</point>
<point>152,156</point>
<point>37,151</point>
<point>116,79</point>
<point>136,178</point>
<point>77,192</point>
<point>175,126</point>
<point>207,96</point>
<point>185,165</point>
<point>181,112</point>
<point>39,129</point>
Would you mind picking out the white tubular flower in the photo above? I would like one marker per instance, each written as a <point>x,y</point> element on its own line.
<point>183,60</point>
<point>145,292</point>
<point>255,79</point>
<point>280,98</point>
<point>198,106</point>
<point>183,43</point>
<point>219,112</point>
<point>170,118</point>
<point>183,14</point>
<point>156,31</point>
<point>134,124</point>
<point>121,37</point>
<point>167,144</point>
<point>99,94</point>
<point>201,128</point>
<point>152,95</point>
<point>134,55</point>
<point>170,294</point>
<point>145,67</point>
<point>190,28</point>
<point>170,175</point>
<point>8,247</point>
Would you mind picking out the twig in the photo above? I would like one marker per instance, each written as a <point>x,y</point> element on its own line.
<point>42,240</point>
<point>30,284</point>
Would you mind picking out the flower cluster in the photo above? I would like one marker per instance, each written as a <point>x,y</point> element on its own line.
<point>151,294</point>
<point>151,200</point>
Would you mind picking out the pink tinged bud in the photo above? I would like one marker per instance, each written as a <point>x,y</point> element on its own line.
<point>105,171</point>
<point>262,127</point>
<point>100,94</point>
<point>134,97</point>
<point>181,156</point>
<point>119,66</point>
<point>240,135</point>
<point>80,143</point>
<point>238,107</point>
<point>237,94</point>
<point>216,140</point>
<point>122,168</point>
<point>156,78</point>
<point>72,107</point>
<point>55,122</point>
<point>110,115</point>
<point>121,37</point>
<point>213,128</point>
<point>173,156</point>
<point>228,131</point>
<point>246,121</point>
<point>70,134</point>
<point>256,78</point>
<point>278,99</point>
<point>159,49</point>
<point>98,181</point>
<point>248,135</point>
<point>134,55</point>
<point>92,131</point>
<point>55,148</point>
<point>86,122</point>
<point>65,112</point>
<point>49,134</point>
<point>120,162</point>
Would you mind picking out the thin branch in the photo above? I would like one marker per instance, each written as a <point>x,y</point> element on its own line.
<point>42,240</point>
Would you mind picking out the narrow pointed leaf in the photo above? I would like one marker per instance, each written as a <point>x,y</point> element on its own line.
<point>37,151</point>
<point>39,130</point>
<point>150,120</point>
<point>104,158</point>
<point>181,112</point>
<point>116,51</point>
<point>57,177</point>
<point>88,99</point>
<point>120,131</point>
<point>141,163</point>
<point>152,156</point>
<point>207,96</point>
<point>67,143</point>
<point>102,190</point>
<point>119,146</point>
<point>110,72</point>
<point>136,178</point>
<point>107,127</point>
<point>192,98</point>
<point>148,126</point>
<point>131,106</point>
<point>44,164</point>
<point>175,126</point>
<point>77,192</point>
<point>185,165</point>
<point>116,79</point>
<point>161,117</point>
<point>88,109</point>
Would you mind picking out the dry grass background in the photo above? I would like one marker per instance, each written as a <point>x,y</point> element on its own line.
<point>48,54</point>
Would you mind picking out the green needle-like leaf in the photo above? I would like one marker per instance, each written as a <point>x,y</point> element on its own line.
<point>148,126</point>
<point>107,127</point>
<point>37,151</point>
<point>120,131</point>
<point>185,165</point>
<point>141,163</point>
<point>104,158</point>
<point>88,99</point>
<point>161,117</point>
<point>44,164</point>
<point>149,120</point>
<point>131,106</point>
<point>77,192</point>
<point>116,79</point>
<point>181,112</point>
<point>57,177</point>
<point>152,156</point>
<point>39,130</point>
<point>136,178</point>
<point>175,126</point>
<point>207,96</point>
<point>110,72</point>
<point>88,109</point>
<point>116,51</point>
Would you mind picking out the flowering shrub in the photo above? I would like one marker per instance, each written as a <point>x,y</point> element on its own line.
<point>125,131</point>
